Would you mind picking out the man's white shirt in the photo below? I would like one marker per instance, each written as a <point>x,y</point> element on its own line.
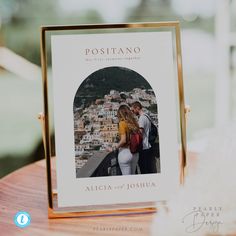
<point>145,124</point>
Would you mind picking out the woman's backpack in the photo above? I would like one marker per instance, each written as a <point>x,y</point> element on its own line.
<point>135,141</point>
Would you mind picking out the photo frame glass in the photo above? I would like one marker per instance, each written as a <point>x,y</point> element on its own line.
<point>105,86</point>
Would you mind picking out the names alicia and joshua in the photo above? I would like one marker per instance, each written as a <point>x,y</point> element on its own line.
<point>128,186</point>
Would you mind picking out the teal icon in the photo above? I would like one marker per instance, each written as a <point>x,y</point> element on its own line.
<point>22,219</point>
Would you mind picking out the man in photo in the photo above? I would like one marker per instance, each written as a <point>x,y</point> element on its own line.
<point>147,160</point>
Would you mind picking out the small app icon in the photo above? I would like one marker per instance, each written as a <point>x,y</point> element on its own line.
<point>22,219</point>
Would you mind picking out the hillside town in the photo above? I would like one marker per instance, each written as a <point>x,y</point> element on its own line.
<point>96,126</point>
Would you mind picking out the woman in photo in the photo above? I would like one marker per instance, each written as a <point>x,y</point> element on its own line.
<point>127,123</point>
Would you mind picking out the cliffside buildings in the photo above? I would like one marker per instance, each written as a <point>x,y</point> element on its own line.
<point>96,126</point>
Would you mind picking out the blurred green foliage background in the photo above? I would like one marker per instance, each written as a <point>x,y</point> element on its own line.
<point>21,20</point>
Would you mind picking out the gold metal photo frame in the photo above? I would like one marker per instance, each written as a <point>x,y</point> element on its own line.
<point>53,211</point>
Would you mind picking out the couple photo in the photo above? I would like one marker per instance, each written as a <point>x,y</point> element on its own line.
<point>115,125</point>
<point>137,139</point>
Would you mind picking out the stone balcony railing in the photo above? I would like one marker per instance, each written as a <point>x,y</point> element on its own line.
<point>101,163</point>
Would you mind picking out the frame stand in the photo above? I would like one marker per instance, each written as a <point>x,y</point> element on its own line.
<point>112,209</point>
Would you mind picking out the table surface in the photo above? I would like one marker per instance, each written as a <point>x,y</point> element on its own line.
<point>26,190</point>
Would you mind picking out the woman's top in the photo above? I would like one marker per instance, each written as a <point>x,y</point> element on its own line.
<point>123,129</point>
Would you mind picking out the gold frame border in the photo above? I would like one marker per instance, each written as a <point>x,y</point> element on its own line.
<point>45,116</point>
